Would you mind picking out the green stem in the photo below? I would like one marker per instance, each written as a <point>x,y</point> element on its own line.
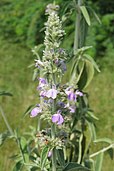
<point>80,148</point>
<point>77,26</point>
<point>102,150</point>
<point>53,130</point>
<point>39,124</point>
<point>6,121</point>
<point>21,151</point>
<point>41,102</point>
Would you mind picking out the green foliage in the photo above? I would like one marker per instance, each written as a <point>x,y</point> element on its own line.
<point>4,93</point>
<point>30,41</point>
<point>20,20</point>
<point>85,14</point>
<point>98,163</point>
<point>75,167</point>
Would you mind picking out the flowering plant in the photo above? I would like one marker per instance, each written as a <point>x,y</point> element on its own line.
<point>61,141</point>
<point>63,106</point>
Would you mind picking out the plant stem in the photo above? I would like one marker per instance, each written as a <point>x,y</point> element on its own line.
<point>80,149</point>
<point>53,128</point>
<point>102,150</point>
<point>39,124</point>
<point>39,120</point>
<point>54,149</point>
<point>6,121</point>
<point>77,26</point>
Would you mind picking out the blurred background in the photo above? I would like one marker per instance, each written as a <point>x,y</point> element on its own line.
<point>21,28</point>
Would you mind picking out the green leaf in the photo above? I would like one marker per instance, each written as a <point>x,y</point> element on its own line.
<point>4,93</point>
<point>35,74</point>
<point>75,167</point>
<point>86,76</point>
<point>85,14</point>
<point>77,70</point>
<point>92,61</point>
<point>92,115</point>
<point>28,110</point>
<point>80,68</point>
<point>111,153</point>
<point>89,163</point>
<point>60,156</point>
<point>18,166</point>
<point>23,143</point>
<point>96,16</point>
<point>14,157</point>
<point>106,140</point>
<point>83,49</point>
<point>3,137</point>
<point>99,161</point>
<point>92,130</point>
<point>44,155</point>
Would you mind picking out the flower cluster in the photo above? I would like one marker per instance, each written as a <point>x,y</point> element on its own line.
<point>54,57</point>
<point>65,100</point>
<point>58,102</point>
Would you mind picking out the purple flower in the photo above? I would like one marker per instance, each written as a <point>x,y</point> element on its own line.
<point>42,83</point>
<point>63,66</point>
<point>50,153</point>
<point>35,112</point>
<point>57,118</point>
<point>52,93</point>
<point>79,93</point>
<point>50,101</point>
<point>68,90</point>
<point>72,109</point>
<point>43,93</point>
<point>61,104</point>
<point>62,51</point>
<point>72,96</point>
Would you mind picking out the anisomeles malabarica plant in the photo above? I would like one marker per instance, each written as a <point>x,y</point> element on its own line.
<point>64,107</point>
<point>61,141</point>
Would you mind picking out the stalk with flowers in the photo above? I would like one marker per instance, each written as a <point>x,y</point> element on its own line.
<point>62,139</point>
<point>64,107</point>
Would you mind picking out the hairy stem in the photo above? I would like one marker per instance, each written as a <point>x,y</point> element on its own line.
<point>77,26</point>
<point>80,149</point>
<point>102,150</point>
<point>54,149</point>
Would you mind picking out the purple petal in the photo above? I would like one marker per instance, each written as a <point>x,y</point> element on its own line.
<point>49,153</point>
<point>79,93</point>
<point>72,109</point>
<point>43,93</point>
<point>63,66</point>
<point>42,81</point>
<point>55,118</point>
<point>51,93</point>
<point>72,96</point>
<point>61,104</point>
<point>35,111</point>
<point>61,120</point>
